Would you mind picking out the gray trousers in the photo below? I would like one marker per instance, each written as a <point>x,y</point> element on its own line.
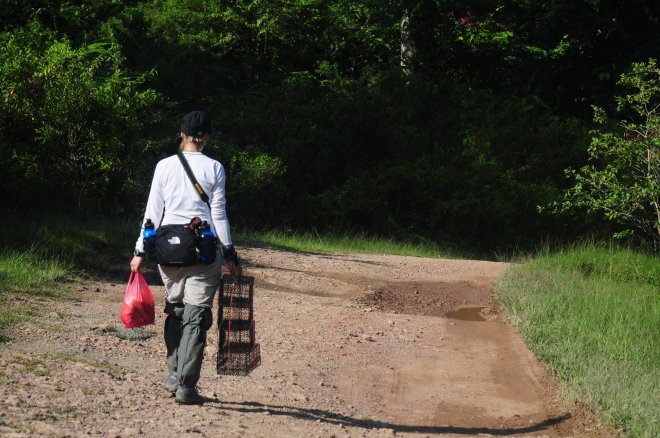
<point>185,338</point>
<point>189,293</point>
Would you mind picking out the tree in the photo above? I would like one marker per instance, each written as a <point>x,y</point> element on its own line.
<point>69,117</point>
<point>622,179</point>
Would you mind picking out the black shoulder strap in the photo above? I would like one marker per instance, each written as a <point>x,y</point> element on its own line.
<point>191,175</point>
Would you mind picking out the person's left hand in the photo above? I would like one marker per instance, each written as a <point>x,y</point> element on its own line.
<point>230,258</point>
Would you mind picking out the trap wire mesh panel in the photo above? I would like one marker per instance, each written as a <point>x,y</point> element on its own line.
<point>238,354</point>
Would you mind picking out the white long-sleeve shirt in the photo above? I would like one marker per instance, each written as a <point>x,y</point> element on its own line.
<point>174,200</point>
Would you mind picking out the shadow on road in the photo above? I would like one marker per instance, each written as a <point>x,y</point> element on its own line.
<point>339,419</point>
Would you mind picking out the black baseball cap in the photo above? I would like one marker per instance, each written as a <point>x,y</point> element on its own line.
<point>196,124</point>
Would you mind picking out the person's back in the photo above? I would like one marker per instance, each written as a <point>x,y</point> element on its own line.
<point>190,287</point>
<point>173,193</point>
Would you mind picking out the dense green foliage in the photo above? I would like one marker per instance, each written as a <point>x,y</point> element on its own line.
<point>424,119</point>
<point>593,314</point>
<point>622,179</point>
<point>67,117</point>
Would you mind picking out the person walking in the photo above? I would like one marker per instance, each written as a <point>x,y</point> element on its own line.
<point>189,290</point>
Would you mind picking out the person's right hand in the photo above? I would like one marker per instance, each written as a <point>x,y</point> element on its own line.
<point>135,263</point>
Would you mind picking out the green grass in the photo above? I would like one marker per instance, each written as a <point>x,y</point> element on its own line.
<point>28,273</point>
<point>37,255</point>
<point>592,313</point>
<point>83,243</point>
<point>362,243</point>
<point>27,270</point>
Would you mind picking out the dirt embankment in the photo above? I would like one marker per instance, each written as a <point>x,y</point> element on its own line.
<point>351,345</point>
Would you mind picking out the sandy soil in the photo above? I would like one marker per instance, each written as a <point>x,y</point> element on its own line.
<point>351,346</point>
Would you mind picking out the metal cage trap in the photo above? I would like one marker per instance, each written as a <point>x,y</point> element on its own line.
<point>238,354</point>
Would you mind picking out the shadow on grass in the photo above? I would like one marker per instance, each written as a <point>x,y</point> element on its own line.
<point>340,243</point>
<point>339,419</point>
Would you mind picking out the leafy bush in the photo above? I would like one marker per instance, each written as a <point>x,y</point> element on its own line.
<point>622,180</point>
<point>70,117</point>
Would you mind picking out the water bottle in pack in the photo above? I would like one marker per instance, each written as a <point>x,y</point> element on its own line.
<point>149,239</point>
<point>206,244</point>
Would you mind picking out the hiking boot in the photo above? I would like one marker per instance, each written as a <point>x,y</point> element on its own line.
<point>188,395</point>
<point>172,382</point>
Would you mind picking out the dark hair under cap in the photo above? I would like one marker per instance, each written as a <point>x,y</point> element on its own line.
<point>196,124</point>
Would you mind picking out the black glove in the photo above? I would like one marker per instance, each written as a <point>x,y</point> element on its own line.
<point>230,255</point>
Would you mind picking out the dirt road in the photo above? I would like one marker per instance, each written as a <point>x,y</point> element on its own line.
<point>351,346</point>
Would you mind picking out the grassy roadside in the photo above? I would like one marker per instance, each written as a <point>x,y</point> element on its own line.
<point>364,244</point>
<point>593,315</point>
<point>24,272</point>
<point>36,256</point>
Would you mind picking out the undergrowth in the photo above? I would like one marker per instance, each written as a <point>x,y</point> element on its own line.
<point>592,313</point>
<point>37,256</point>
<point>348,243</point>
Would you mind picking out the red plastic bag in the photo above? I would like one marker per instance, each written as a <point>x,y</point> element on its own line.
<point>138,308</point>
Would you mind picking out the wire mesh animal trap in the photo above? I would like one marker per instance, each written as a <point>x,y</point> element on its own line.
<point>238,354</point>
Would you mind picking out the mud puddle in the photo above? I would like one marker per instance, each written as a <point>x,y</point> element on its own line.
<point>427,298</point>
<point>466,314</point>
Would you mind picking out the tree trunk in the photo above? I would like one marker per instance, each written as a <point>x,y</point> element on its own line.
<point>407,43</point>
<point>649,157</point>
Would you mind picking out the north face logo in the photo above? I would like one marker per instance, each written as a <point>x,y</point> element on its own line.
<point>174,240</point>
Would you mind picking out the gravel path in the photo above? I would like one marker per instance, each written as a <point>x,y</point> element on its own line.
<point>351,346</point>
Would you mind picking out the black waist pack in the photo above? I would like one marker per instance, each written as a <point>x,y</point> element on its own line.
<point>175,246</point>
